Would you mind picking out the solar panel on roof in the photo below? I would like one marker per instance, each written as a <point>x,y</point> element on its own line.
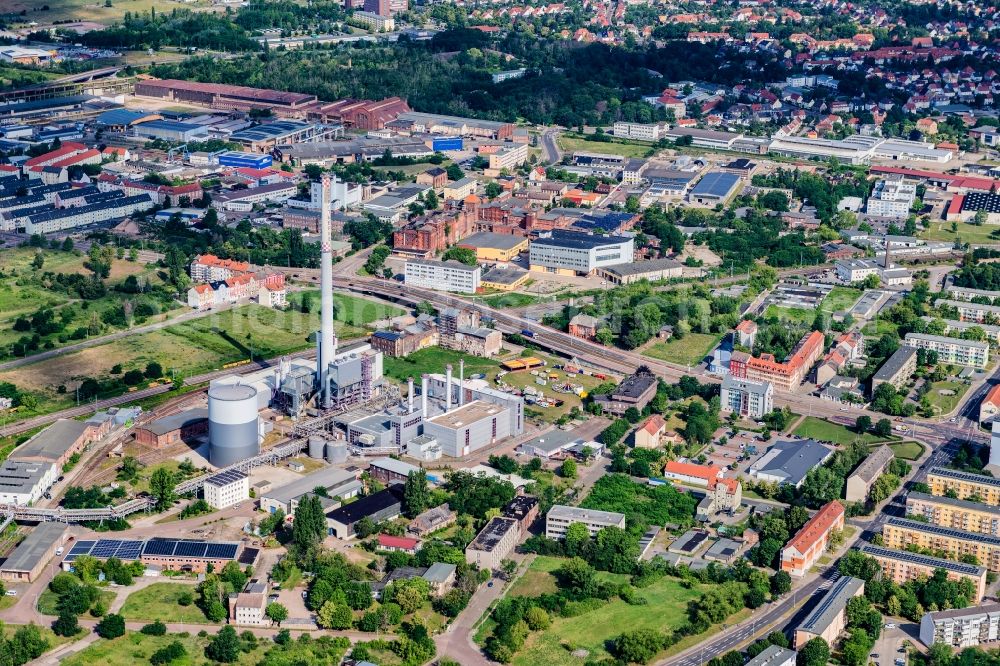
<point>221,551</point>
<point>105,548</point>
<point>160,547</point>
<point>190,549</point>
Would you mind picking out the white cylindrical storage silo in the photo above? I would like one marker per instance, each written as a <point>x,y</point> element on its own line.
<point>233,431</point>
<point>316,445</point>
<point>336,452</point>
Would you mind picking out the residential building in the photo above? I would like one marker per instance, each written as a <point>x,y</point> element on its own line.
<point>29,559</point>
<point>892,198</point>
<point>377,22</point>
<point>523,508</point>
<point>639,131</point>
<point>636,390</point>
<point>747,398</point>
<point>861,480</point>
<point>398,544</point>
<point>448,275</point>
<point>955,513</point>
<point>492,247</point>
<point>210,268</point>
<point>583,326</point>
<point>990,406</point>
<point>560,517</point>
<point>964,485</point>
<point>952,350</point>
<point>648,435</point>
<point>509,157</point>
<point>440,577</point>
<point>226,489</point>
<point>810,542</point>
<point>968,311</point>
<point>786,375</point>
<point>692,474</point>
<point>493,543</point>
<point>723,495</point>
<point>576,253</point>
<point>961,627</point>
<point>247,608</point>
<point>902,533</point>
<point>746,333</point>
<point>774,655</point>
<point>384,505</point>
<point>790,461</point>
<point>902,566</point>
<point>897,370</point>
<point>828,619</point>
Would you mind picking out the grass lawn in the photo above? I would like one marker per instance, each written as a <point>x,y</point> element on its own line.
<point>968,233</point>
<point>824,431</point>
<point>947,401</point>
<point>92,10</point>
<point>511,300</point>
<point>591,631</point>
<point>797,315</point>
<point>48,599</point>
<point>159,601</point>
<point>841,298</point>
<point>136,648</point>
<point>433,360</point>
<point>907,450</point>
<point>880,327</point>
<point>572,144</point>
<point>689,350</point>
<point>538,579</point>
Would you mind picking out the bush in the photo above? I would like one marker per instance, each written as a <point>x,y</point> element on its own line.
<point>168,654</point>
<point>112,626</point>
<point>154,629</point>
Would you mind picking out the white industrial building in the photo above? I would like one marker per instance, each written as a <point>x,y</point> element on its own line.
<point>468,428</point>
<point>560,517</point>
<point>24,482</point>
<point>575,253</point>
<point>226,489</point>
<point>448,275</point>
<point>640,131</point>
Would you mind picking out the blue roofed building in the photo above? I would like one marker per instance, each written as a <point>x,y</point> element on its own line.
<point>119,120</point>
<point>714,188</point>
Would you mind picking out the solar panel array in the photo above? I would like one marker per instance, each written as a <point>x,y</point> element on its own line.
<point>225,478</point>
<point>964,476</point>
<point>127,549</point>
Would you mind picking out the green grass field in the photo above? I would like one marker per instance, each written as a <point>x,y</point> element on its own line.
<point>48,11</point>
<point>511,300</point>
<point>433,360</point>
<point>159,601</point>
<point>943,403</point>
<point>967,233</point>
<point>824,431</point>
<point>689,350</point>
<point>591,631</point>
<point>48,599</point>
<point>907,450</point>
<point>135,648</point>
<point>797,315</point>
<point>841,298</point>
<point>572,144</point>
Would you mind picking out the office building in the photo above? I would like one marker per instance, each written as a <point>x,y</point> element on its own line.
<point>575,253</point>
<point>901,533</point>
<point>523,508</point>
<point>897,370</point>
<point>560,517</point>
<point>955,513</point>
<point>226,489</point>
<point>492,247</point>
<point>747,398</point>
<point>810,542</point>
<point>855,270</point>
<point>248,608</point>
<point>860,481</point>
<point>954,351</point>
<point>902,566</point>
<point>828,619</point>
<point>961,627</point>
<point>448,275</point>
<point>892,198</point>
<point>493,543</point>
<point>964,484</point>
<point>639,131</point>
<point>790,461</point>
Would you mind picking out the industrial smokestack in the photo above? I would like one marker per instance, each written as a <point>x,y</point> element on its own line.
<point>409,395</point>
<point>461,382</point>
<point>447,388</point>
<point>328,345</point>
<point>423,395</point>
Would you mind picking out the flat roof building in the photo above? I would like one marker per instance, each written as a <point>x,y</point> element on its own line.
<point>790,461</point>
<point>954,513</point>
<point>901,533</point>
<point>952,350</point>
<point>774,655</point>
<point>338,483</point>
<point>714,188</point>
<point>560,517</point>
<point>964,485</point>
<point>493,543</point>
<point>961,627</point>
<point>575,253</point>
<point>493,247</point>
<point>469,428</point>
<point>383,505</point>
<point>652,270</point>
<point>226,489</point>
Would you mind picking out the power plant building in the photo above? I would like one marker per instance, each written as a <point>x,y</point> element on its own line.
<point>469,428</point>
<point>233,424</point>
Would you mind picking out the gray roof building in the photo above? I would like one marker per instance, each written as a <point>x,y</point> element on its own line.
<point>774,655</point>
<point>832,605</point>
<point>53,442</point>
<point>177,421</point>
<point>790,461</point>
<point>34,552</point>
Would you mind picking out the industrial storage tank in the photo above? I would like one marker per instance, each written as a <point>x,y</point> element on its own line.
<point>336,452</point>
<point>233,430</point>
<point>316,444</point>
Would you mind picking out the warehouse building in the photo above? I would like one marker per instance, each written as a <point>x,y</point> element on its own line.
<point>493,543</point>
<point>652,270</point>
<point>24,482</point>
<point>384,505</point>
<point>560,517</point>
<point>491,247</point>
<point>714,189</point>
<point>58,442</point>
<point>226,489</point>
<point>575,253</point>
<point>957,514</point>
<point>337,482</point>
<point>861,480</point>
<point>828,619</point>
<point>902,566</point>
<point>170,130</point>
<point>185,555</point>
<point>391,470</point>
<point>468,428</point>
<point>961,627</point>
<point>431,123</point>
<point>222,96</point>
<point>32,555</point>
<point>187,426</point>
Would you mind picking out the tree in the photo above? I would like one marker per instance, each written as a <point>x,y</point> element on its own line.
<point>416,494</point>
<point>883,427</point>
<point>455,172</point>
<point>129,469</point>
<point>462,255</point>
<point>492,190</point>
<point>156,628</point>
<point>863,424</point>
<point>276,612</point>
<point>66,624</point>
<point>568,469</point>
<point>638,646</point>
<point>576,538</point>
<point>781,583</point>
<point>814,653</point>
<point>224,646</point>
<point>335,616</point>
<point>537,619</point>
<point>431,200</point>
<point>111,626</point>
<point>161,487</point>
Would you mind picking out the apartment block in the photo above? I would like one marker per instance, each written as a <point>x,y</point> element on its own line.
<point>897,370</point>
<point>899,533</point>
<point>494,543</point>
<point>954,513</point>
<point>747,398</point>
<point>509,157</point>
<point>786,375</point>
<point>967,311</point>
<point>448,275</point>
<point>892,198</point>
<point>964,485</point>
<point>961,627</point>
<point>901,566</point>
<point>860,482</point>
<point>560,517</point>
<point>828,619</point>
<point>952,350</point>
<point>809,543</point>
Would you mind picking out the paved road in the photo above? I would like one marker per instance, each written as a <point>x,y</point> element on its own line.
<point>549,145</point>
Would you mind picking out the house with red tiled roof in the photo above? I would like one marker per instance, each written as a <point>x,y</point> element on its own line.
<point>809,543</point>
<point>398,544</point>
<point>650,433</point>
<point>990,406</point>
<point>691,473</point>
